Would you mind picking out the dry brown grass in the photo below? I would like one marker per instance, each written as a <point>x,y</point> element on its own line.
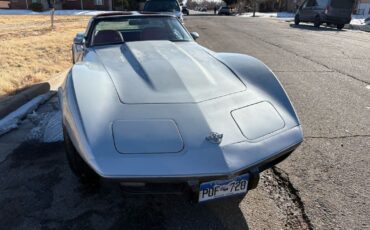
<point>31,52</point>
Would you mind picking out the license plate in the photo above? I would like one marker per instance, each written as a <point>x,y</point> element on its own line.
<point>222,188</point>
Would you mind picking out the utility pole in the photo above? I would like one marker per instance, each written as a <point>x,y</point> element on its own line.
<point>254,7</point>
<point>52,15</point>
<point>27,4</point>
<point>82,5</point>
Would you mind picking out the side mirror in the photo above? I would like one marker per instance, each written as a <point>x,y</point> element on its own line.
<point>79,39</point>
<point>195,35</point>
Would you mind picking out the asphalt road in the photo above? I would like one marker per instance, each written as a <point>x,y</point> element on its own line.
<point>324,185</point>
<point>327,76</point>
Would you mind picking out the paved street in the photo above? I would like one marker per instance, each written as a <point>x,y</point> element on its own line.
<point>325,184</point>
<point>327,76</point>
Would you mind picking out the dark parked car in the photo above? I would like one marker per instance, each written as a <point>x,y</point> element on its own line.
<point>224,10</point>
<point>185,10</point>
<point>367,21</point>
<point>164,6</point>
<point>337,12</point>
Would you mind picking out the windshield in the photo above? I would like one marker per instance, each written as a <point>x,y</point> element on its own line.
<point>119,30</point>
<point>322,3</point>
<point>161,6</point>
<point>342,4</point>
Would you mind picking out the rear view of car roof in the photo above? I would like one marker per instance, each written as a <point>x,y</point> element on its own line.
<point>129,13</point>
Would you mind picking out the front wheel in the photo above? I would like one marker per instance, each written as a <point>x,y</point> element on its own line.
<point>296,20</point>
<point>73,56</point>
<point>77,164</point>
<point>340,26</point>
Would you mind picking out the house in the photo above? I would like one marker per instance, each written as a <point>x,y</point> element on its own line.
<point>4,4</point>
<point>363,8</point>
<point>65,4</point>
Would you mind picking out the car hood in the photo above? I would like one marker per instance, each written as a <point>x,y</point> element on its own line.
<point>166,72</point>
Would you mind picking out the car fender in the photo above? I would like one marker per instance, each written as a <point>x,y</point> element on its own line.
<point>71,120</point>
<point>257,76</point>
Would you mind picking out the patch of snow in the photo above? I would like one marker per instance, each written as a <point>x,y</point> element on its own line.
<point>35,134</point>
<point>11,120</point>
<point>53,129</point>
<point>279,15</point>
<point>48,127</point>
<point>57,12</point>
<point>357,20</point>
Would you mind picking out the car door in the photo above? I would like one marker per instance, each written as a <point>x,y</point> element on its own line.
<point>311,10</point>
<point>319,7</point>
<point>303,12</point>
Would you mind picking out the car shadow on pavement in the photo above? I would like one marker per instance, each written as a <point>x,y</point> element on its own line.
<point>311,27</point>
<point>201,14</point>
<point>38,189</point>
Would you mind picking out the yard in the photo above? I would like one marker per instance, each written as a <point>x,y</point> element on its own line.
<point>31,51</point>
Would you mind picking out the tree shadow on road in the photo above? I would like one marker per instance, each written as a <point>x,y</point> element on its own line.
<point>39,190</point>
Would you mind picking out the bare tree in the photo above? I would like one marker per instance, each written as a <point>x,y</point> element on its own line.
<point>254,6</point>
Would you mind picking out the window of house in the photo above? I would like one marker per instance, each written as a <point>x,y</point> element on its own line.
<point>98,2</point>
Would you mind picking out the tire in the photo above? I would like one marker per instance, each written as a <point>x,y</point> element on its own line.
<point>73,56</point>
<point>78,166</point>
<point>317,22</point>
<point>296,20</point>
<point>340,26</point>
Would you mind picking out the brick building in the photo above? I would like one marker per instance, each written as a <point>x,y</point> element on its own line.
<point>65,4</point>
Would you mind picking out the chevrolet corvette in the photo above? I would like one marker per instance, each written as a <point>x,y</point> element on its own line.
<point>148,107</point>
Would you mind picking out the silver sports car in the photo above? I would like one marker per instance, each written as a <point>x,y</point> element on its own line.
<point>147,106</point>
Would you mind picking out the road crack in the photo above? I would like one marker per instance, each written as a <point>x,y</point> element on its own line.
<point>336,137</point>
<point>287,198</point>
<point>316,62</point>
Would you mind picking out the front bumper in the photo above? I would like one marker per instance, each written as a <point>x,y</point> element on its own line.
<point>230,160</point>
<point>190,186</point>
<point>335,20</point>
<point>254,170</point>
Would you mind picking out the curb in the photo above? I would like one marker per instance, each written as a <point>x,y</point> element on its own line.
<point>13,103</point>
<point>12,120</point>
<point>365,28</point>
